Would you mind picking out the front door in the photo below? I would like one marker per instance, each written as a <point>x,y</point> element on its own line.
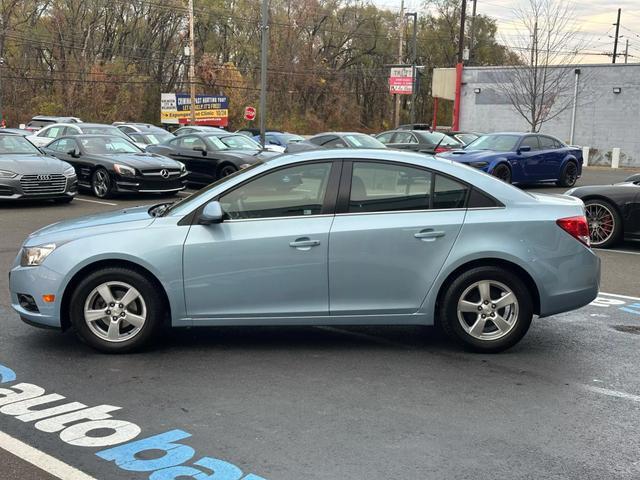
<point>389,242</point>
<point>269,256</point>
<point>531,162</point>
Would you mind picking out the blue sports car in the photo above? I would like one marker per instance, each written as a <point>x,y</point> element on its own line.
<point>281,139</point>
<point>522,158</point>
<point>322,237</point>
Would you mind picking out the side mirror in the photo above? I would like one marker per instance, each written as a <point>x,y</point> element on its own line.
<point>212,213</point>
<point>524,148</point>
<point>202,150</point>
<point>75,153</point>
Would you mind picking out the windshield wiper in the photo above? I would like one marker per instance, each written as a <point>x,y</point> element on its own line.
<point>159,209</point>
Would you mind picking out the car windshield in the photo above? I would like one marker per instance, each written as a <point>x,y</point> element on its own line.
<point>360,140</point>
<point>14,144</point>
<point>498,143</point>
<point>239,142</point>
<point>106,130</point>
<point>438,138</point>
<point>108,145</point>
<point>291,138</point>
<point>156,138</point>
<point>466,138</point>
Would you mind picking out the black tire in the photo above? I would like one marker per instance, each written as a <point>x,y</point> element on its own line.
<point>101,183</point>
<point>226,169</point>
<point>503,172</point>
<point>451,324</point>
<point>63,200</point>
<point>592,207</point>
<point>569,175</point>
<point>154,307</point>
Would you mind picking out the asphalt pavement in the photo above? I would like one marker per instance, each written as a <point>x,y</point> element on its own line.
<point>345,403</point>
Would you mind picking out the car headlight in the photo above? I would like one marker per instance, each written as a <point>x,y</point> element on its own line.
<point>183,167</point>
<point>33,256</point>
<point>124,170</point>
<point>478,164</point>
<point>7,174</point>
<point>69,172</point>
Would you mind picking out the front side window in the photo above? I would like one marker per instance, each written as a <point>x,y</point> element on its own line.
<point>385,137</point>
<point>53,132</point>
<point>531,141</point>
<point>360,140</point>
<point>293,191</point>
<point>239,142</point>
<point>64,145</point>
<point>190,142</point>
<point>379,187</point>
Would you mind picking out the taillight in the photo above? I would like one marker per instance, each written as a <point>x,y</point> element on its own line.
<point>441,149</point>
<point>577,227</point>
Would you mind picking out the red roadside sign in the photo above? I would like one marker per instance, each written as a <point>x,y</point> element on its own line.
<point>250,113</point>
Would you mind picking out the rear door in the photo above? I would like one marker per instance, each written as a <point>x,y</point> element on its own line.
<point>395,228</point>
<point>552,157</point>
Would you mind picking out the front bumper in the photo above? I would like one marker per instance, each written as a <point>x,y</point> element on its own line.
<point>24,188</point>
<point>36,282</point>
<point>146,185</point>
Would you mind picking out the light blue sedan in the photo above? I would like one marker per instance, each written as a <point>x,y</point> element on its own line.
<point>329,237</point>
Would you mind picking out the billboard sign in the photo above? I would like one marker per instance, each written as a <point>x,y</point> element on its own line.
<point>175,108</point>
<point>401,80</point>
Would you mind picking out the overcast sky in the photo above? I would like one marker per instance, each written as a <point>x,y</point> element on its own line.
<point>594,19</point>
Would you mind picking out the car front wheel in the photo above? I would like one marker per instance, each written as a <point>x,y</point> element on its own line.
<point>101,184</point>
<point>486,309</point>
<point>116,310</point>
<point>502,172</point>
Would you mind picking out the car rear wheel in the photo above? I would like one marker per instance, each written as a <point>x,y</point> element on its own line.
<point>116,310</point>
<point>605,224</point>
<point>569,175</point>
<point>486,309</point>
<point>502,172</point>
<point>101,184</point>
<point>226,170</point>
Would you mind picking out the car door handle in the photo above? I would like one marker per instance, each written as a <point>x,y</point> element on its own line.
<point>304,243</point>
<point>429,234</point>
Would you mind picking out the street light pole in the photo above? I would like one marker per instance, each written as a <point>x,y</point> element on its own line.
<point>414,71</point>
<point>396,110</point>
<point>263,70</point>
<point>192,65</point>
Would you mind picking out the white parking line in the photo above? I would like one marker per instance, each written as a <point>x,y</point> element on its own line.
<point>619,296</point>
<point>94,201</point>
<point>614,393</point>
<point>626,252</point>
<point>41,460</point>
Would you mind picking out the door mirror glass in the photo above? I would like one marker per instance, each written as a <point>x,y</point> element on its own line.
<point>212,213</point>
<point>74,152</point>
<point>524,148</point>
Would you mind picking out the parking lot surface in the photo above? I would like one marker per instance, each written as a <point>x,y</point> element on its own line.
<point>349,403</point>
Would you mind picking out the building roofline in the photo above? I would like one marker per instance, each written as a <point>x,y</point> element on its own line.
<point>574,65</point>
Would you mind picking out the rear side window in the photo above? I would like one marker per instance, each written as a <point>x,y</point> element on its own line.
<point>448,193</point>
<point>379,187</point>
<point>477,199</point>
<point>547,143</point>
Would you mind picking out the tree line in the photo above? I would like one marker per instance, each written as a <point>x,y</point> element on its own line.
<point>108,60</point>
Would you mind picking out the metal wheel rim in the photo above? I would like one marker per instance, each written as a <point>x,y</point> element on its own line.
<point>100,183</point>
<point>502,173</point>
<point>226,171</point>
<point>115,312</point>
<point>488,310</point>
<point>601,223</point>
<point>571,174</point>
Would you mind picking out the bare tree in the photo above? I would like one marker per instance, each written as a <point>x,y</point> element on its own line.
<point>539,82</point>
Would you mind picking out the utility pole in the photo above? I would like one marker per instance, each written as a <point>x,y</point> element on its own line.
<point>626,51</point>
<point>414,59</point>
<point>456,103</point>
<point>192,65</point>
<point>263,69</point>
<point>615,40</point>
<point>534,43</point>
<point>473,31</point>
<point>396,110</point>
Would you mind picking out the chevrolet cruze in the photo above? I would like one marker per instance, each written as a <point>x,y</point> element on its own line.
<point>329,237</point>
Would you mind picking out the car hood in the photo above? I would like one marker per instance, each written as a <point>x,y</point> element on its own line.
<point>467,156</point>
<point>250,154</point>
<point>32,164</point>
<point>141,160</point>
<point>107,222</point>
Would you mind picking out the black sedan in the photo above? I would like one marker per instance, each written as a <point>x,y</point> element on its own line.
<point>207,157</point>
<point>108,164</point>
<point>613,212</point>
<point>335,140</point>
<point>423,141</point>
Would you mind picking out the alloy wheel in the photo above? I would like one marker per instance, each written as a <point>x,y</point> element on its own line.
<point>101,183</point>
<point>487,310</point>
<point>226,171</point>
<point>571,174</point>
<point>601,223</point>
<point>503,173</point>
<point>115,311</point>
